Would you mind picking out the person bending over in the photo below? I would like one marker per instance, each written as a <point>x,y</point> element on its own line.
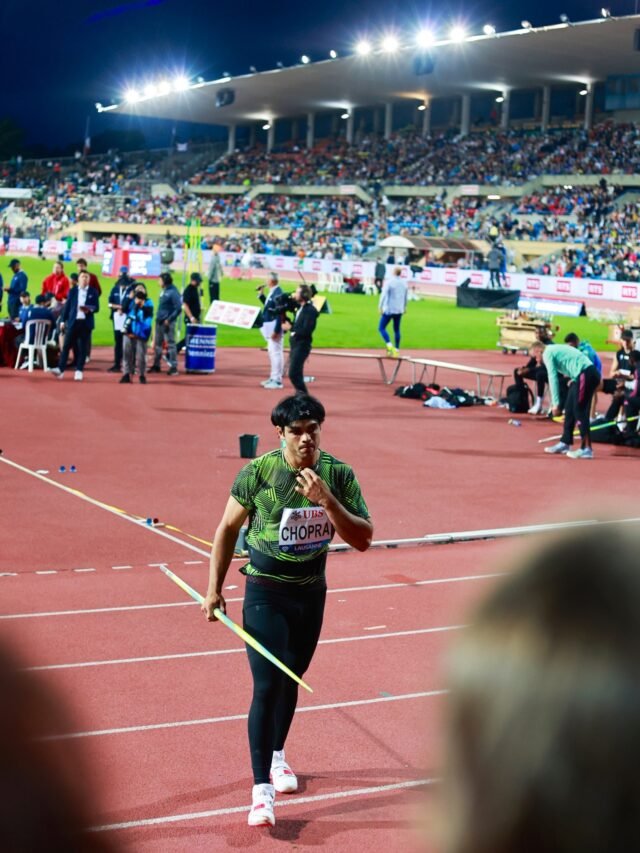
<point>584,379</point>
<point>296,498</point>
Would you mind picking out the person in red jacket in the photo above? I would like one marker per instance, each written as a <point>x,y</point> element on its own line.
<point>56,283</point>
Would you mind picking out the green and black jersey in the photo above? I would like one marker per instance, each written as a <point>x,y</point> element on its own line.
<point>287,533</point>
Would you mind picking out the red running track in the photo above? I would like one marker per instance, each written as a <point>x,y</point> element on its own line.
<point>370,733</point>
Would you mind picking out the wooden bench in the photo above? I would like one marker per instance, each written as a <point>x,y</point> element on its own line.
<point>479,373</point>
<point>383,360</point>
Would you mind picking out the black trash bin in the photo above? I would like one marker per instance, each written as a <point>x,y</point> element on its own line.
<point>248,446</point>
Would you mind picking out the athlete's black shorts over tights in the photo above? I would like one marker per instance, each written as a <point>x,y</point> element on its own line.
<point>288,624</point>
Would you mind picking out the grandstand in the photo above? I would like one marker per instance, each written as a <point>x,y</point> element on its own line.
<point>411,149</point>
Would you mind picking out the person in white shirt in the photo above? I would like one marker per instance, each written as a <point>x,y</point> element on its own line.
<point>393,304</point>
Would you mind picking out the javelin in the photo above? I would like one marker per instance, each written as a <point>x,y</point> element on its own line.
<point>593,429</point>
<point>247,638</point>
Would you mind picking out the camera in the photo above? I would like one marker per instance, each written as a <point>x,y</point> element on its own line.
<point>285,302</point>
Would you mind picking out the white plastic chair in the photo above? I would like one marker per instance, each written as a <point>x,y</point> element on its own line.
<point>323,281</point>
<point>35,331</point>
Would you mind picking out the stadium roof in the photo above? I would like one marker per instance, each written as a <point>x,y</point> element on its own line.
<point>580,53</point>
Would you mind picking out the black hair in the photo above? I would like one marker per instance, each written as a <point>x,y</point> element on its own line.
<point>572,338</point>
<point>299,407</point>
<point>626,334</point>
<point>166,278</point>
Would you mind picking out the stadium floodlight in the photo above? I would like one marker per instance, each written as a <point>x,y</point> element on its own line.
<point>99,107</point>
<point>304,59</point>
<point>422,107</point>
<point>150,90</point>
<point>526,25</point>
<point>363,47</point>
<point>457,33</point>
<point>253,69</point>
<point>279,64</point>
<point>583,92</point>
<point>564,18</point>
<point>131,96</point>
<point>489,30</point>
<point>266,126</point>
<point>226,75</point>
<point>333,54</point>
<point>500,99</point>
<point>606,13</point>
<point>389,44</point>
<point>164,87</point>
<point>180,84</point>
<point>199,80</point>
<point>425,38</point>
<point>345,115</point>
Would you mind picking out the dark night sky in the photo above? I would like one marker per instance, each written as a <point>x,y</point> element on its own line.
<point>58,60</point>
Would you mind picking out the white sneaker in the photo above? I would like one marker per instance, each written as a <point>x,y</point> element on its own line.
<point>283,778</point>
<point>584,453</point>
<point>535,409</point>
<point>78,376</point>
<point>560,447</point>
<point>270,385</point>
<point>266,381</point>
<point>55,371</point>
<point>261,813</point>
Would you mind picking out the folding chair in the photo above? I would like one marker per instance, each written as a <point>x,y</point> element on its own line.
<point>35,344</point>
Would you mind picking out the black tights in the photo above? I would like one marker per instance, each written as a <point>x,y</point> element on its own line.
<point>288,624</point>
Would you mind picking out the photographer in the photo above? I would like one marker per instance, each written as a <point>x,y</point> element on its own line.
<point>301,334</point>
<point>136,332</point>
<point>272,329</point>
<point>116,297</point>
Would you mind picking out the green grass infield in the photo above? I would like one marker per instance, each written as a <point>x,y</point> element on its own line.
<point>430,323</point>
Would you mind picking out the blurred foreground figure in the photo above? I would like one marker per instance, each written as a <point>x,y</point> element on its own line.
<point>544,712</point>
<point>43,784</point>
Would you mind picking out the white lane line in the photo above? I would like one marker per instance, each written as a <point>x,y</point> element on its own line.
<point>47,572</point>
<point>193,562</point>
<point>8,574</point>
<point>124,608</point>
<point>209,721</point>
<point>216,652</point>
<point>84,570</point>
<point>120,568</point>
<point>95,610</point>
<point>293,801</point>
<point>374,628</point>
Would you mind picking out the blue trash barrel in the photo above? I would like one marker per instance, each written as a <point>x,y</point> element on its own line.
<point>201,349</point>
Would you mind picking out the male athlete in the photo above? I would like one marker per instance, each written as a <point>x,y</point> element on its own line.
<point>296,498</point>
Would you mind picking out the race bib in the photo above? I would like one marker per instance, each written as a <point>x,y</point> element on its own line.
<point>304,529</point>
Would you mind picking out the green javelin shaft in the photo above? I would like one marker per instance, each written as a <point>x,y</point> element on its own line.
<point>593,429</point>
<point>247,638</point>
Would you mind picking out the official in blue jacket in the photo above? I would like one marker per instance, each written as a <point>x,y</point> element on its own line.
<point>169,308</point>
<point>77,322</point>
<point>17,286</point>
